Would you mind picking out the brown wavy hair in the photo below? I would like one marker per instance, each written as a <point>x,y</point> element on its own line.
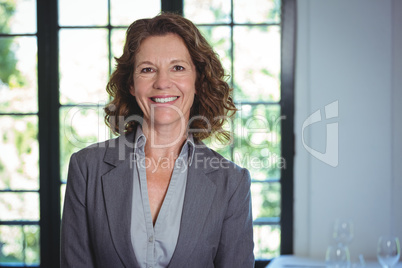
<point>213,103</point>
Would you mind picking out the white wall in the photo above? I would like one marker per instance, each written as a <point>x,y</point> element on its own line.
<point>349,51</point>
<point>396,117</point>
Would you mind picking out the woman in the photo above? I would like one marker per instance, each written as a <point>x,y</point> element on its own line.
<point>157,196</point>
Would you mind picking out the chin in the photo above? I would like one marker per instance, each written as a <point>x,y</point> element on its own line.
<point>167,120</point>
<point>167,116</point>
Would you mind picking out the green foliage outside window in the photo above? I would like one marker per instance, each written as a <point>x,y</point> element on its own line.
<point>19,244</point>
<point>9,74</point>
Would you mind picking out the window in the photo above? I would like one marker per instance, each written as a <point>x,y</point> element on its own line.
<point>55,63</point>
<point>19,146</point>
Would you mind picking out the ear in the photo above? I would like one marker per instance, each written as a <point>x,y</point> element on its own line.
<point>132,90</point>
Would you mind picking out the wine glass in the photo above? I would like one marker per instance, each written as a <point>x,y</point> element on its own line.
<point>388,251</point>
<point>343,231</point>
<point>337,256</point>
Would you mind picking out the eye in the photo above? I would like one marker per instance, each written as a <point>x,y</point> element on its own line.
<point>146,70</point>
<point>178,68</point>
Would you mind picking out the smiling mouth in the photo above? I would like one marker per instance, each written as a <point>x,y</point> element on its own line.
<point>164,100</point>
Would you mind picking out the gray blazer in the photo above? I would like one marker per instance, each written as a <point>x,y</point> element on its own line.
<point>216,227</point>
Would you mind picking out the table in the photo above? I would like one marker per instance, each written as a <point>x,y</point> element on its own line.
<point>291,261</point>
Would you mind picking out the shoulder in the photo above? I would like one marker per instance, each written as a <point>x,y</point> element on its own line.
<point>220,169</point>
<point>110,151</point>
<point>94,151</point>
<point>212,160</point>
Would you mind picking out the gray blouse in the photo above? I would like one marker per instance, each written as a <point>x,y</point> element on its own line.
<point>154,245</point>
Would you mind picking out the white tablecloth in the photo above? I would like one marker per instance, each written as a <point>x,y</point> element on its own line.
<point>290,261</point>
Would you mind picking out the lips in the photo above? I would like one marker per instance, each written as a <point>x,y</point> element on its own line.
<point>164,99</point>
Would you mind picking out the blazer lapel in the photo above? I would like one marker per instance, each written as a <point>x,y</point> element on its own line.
<point>118,190</point>
<point>200,191</point>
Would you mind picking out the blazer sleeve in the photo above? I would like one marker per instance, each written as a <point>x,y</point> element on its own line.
<point>75,242</point>
<point>236,243</point>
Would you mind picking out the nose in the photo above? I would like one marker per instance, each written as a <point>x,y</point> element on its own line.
<point>162,80</point>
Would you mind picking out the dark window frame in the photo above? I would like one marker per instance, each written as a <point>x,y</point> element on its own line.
<point>48,113</point>
<point>288,64</point>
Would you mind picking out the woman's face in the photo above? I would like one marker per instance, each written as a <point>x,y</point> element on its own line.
<point>164,80</point>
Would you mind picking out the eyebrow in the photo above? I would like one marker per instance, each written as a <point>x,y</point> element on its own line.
<point>150,63</point>
<point>178,61</point>
<point>144,62</point>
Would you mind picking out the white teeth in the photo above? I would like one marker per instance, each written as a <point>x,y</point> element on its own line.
<point>163,100</point>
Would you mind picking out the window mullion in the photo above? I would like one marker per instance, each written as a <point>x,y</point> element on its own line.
<point>48,97</point>
<point>175,6</point>
<point>288,48</point>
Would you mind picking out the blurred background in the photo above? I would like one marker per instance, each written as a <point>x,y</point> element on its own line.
<point>55,60</point>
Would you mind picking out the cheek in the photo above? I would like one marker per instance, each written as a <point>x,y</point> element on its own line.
<point>139,85</point>
<point>189,85</point>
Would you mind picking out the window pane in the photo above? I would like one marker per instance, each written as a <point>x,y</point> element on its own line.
<point>245,11</point>
<point>11,239</point>
<point>19,245</point>
<point>19,157</point>
<point>257,63</point>
<point>207,11</point>
<point>18,17</point>
<point>19,206</point>
<point>219,38</point>
<point>79,128</point>
<point>123,12</point>
<point>18,81</point>
<point>266,199</point>
<point>258,139</point>
<point>83,66</point>
<point>31,237</point>
<point>83,13</point>
<point>267,241</point>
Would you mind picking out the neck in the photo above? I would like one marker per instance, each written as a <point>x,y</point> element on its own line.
<point>164,140</point>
